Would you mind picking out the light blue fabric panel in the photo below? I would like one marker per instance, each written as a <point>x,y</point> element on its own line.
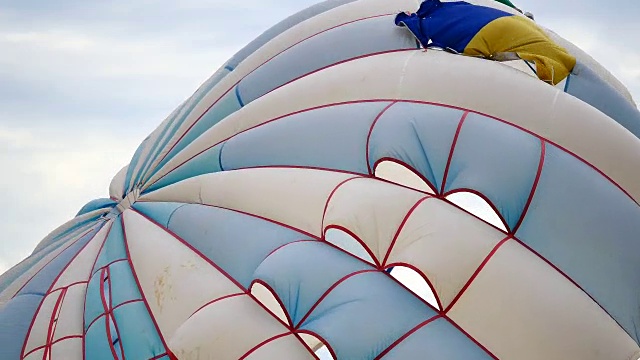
<point>93,305</point>
<point>346,42</point>
<point>15,320</point>
<point>589,229</point>
<point>281,27</point>
<point>301,272</point>
<point>438,340</point>
<point>138,334</point>
<point>97,343</point>
<point>95,205</point>
<point>333,137</point>
<point>205,163</point>
<point>365,314</point>
<point>498,160</point>
<point>227,105</point>
<point>43,280</point>
<point>113,248</point>
<point>161,212</point>
<point>587,86</point>
<point>123,285</point>
<point>420,135</point>
<point>224,236</point>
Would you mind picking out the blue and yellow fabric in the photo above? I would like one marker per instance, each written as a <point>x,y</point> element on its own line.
<point>483,31</point>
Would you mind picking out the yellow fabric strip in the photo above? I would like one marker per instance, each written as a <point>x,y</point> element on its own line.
<point>522,36</point>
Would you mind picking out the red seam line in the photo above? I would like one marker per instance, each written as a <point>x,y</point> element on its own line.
<point>328,291</point>
<point>302,167</point>
<point>159,356</point>
<point>112,315</point>
<point>356,238</point>
<point>252,215</point>
<point>402,224</point>
<point>406,335</point>
<point>566,276</point>
<point>216,300</point>
<point>69,337</point>
<point>326,204</point>
<point>373,124</point>
<point>105,306</point>
<point>475,274</point>
<point>463,331</point>
<point>49,262</point>
<point>112,310</point>
<point>453,147</point>
<point>431,186</point>
<point>426,279</point>
<point>70,285</point>
<point>53,324</point>
<point>487,200</point>
<point>276,297</point>
<point>533,188</point>
<point>276,337</point>
<point>318,337</point>
<point>35,315</point>
<point>107,265</point>
<point>249,73</point>
<point>84,305</point>
<point>135,277</point>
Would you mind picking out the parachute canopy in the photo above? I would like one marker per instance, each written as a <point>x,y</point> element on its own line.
<point>305,202</point>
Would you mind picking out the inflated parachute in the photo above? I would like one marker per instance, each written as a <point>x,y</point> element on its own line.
<point>301,204</point>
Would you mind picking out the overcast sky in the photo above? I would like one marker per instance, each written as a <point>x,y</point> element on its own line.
<point>82,83</point>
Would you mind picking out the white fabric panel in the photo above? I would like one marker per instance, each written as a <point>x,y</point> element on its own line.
<point>69,349</point>
<point>337,16</point>
<point>296,197</point>
<point>267,298</point>
<point>446,244</point>
<point>38,334</point>
<point>226,329</point>
<point>288,347</point>
<point>399,174</point>
<point>70,319</point>
<point>36,355</point>
<point>117,183</point>
<point>536,106</point>
<point>371,209</point>
<point>80,267</point>
<point>518,302</point>
<point>175,280</point>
